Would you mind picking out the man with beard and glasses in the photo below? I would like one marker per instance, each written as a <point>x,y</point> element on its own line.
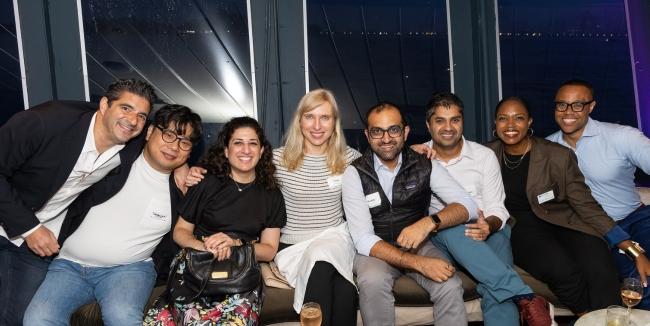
<point>482,247</point>
<point>386,195</point>
<point>49,154</point>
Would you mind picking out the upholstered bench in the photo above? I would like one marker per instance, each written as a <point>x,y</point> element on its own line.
<point>412,306</point>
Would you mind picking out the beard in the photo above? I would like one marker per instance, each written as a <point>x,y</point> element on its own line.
<point>387,155</point>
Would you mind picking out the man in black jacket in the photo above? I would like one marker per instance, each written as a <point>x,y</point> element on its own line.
<point>114,228</point>
<point>50,154</point>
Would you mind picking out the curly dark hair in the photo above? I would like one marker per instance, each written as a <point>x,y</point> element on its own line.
<point>215,160</point>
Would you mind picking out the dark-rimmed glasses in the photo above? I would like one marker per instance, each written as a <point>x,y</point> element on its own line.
<point>577,106</point>
<point>170,136</point>
<point>378,133</point>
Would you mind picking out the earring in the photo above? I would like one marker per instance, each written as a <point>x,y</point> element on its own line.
<point>494,133</point>
<point>530,132</point>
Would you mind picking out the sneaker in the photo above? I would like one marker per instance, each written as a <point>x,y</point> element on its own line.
<point>535,311</point>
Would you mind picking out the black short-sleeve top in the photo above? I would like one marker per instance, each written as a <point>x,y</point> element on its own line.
<point>216,205</point>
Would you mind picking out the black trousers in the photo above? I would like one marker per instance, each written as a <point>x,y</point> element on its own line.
<point>577,267</point>
<point>336,296</point>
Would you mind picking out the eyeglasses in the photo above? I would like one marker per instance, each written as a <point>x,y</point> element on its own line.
<point>575,106</point>
<point>378,133</point>
<point>170,136</point>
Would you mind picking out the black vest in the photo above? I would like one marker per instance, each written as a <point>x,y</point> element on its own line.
<point>411,193</point>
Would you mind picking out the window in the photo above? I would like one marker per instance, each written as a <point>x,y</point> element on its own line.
<point>11,91</point>
<point>544,43</point>
<point>194,53</point>
<point>371,51</point>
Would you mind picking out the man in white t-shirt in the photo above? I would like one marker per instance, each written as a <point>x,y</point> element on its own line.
<point>49,154</point>
<point>481,247</point>
<point>107,256</point>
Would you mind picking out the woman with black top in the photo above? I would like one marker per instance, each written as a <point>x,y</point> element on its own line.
<point>561,234</point>
<point>237,201</point>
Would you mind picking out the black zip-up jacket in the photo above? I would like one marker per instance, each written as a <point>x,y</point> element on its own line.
<point>411,193</point>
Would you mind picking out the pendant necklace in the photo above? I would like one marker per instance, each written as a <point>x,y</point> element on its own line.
<point>246,186</point>
<point>516,163</point>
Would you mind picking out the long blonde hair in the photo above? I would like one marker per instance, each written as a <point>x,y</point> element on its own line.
<point>294,139</point>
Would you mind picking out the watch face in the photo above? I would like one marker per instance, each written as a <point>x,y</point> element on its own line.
<point>435,218</point>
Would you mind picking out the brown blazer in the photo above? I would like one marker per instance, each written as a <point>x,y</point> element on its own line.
<point>554,167</point>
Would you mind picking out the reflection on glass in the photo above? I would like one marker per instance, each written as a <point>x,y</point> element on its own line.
<point>11,95</point>
<point>545,42</point>
<point>367,51</point>
<point>195,53</point>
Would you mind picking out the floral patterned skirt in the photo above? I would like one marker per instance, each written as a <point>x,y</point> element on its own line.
<point>235,309</point>
<point>174,310</point>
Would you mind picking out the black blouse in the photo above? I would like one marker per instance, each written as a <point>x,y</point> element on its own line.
<point>514,183</point>
<point>216,205</point>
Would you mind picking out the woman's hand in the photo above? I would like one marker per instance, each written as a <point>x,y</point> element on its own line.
<point>643,266</point>
<point>195,175</point>
<point>219,244</point>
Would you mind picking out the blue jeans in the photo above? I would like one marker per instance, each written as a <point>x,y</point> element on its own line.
<point>490,263</point>
<point>21,272</point>
<point>121,291</point>
<point>637,225</point>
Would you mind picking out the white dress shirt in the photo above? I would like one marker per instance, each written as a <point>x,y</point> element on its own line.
<point>477,169</point>
<point>356,206</point>
<point>91,167</point>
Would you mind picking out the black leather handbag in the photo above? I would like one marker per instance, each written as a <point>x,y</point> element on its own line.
<point>203,275</point>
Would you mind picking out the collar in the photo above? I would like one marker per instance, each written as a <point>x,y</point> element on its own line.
<point>89,143</point>
<point>592,128</point>
<point>465,151</point>
<point>378,164</point>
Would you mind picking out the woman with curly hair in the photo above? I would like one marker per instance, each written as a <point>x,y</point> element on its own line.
<point>238,201</point>
<point>316,248</point>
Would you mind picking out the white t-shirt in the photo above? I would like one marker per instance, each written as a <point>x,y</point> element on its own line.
<point>128,227</point>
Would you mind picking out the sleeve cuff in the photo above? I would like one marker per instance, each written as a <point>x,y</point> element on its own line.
<point>26,234</point>
<point>616,235</point>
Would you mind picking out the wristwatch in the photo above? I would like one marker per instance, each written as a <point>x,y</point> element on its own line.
<point>635,250</point>
<point>436,221</point>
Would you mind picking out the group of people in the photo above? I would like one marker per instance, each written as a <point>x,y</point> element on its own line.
<point>96,202</point>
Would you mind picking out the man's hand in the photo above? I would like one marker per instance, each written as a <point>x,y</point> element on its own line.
<point>424,150</point>
<point>434,269</point>
<point>42,242</point>
<point>478,231</point>
<point>643,266</point>
<point>412,235</point>
<point>195,176</point>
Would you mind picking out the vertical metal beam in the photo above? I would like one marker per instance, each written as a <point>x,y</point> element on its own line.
<point>32,27</point>
<point>279,55</point>
<point>67,57</point>
<point>474,66</point>
<point>638,27</point>
<point>50,43</point>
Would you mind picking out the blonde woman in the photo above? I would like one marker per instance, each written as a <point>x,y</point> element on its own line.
<point>316,250</point>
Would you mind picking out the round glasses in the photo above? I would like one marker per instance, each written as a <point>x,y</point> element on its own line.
<point>575,106</point>
<point>378,133</point>
<point>170,136</point>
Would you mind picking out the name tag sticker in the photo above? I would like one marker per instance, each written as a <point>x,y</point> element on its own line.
<point>374,200</point>
<point>335,181</point>
<point>157,214</point>
<point>549,195</point>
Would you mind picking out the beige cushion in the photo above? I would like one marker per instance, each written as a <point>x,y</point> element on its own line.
<point>645,194</point>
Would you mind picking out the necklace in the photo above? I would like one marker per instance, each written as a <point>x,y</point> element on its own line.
<point>516,163</point>
<point>246,185</point>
